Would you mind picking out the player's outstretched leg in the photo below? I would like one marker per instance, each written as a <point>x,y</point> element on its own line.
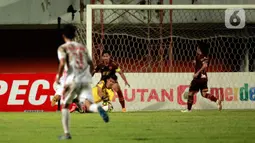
<point>213,99</point>
<point>116,88</point>
<point>69,94</point>
<point>190,102</point>
<point>103,114</point>
<point>65,122</point>
<point>94,108</point>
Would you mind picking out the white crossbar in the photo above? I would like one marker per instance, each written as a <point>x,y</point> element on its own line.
<point>169,6</point>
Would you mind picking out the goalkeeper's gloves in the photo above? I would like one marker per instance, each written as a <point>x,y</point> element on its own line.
<point>105,98</point>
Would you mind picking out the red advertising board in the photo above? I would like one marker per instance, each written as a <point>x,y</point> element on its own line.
<point>26,92</point>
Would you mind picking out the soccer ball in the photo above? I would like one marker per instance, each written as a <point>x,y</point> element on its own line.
<point>107,106</point>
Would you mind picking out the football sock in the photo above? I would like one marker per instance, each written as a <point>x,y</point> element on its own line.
<point>190,102</point>
<point>93,108</point>
<point>121,99</point>
<point>211,97</point>
<point>65,120</point>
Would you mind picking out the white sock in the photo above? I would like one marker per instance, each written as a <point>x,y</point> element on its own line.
<point>106,108</point>
<point>65,120</point>
<point>93,108</point>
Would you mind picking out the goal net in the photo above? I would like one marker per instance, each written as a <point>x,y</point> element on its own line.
<point>155,44</point>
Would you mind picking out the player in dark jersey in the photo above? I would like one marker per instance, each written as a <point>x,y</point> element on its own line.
<point>200,79</point>
<point>108,67</point>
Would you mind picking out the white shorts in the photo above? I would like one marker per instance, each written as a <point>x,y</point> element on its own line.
<point>59,88</point>
<point>81,91</point>
<point>78,86</point>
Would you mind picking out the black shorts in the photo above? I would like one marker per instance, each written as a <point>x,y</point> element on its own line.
<point>198,84</point>
<point>103,80</point>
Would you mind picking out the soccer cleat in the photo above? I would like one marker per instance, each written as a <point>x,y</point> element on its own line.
<point>65,137</point>
<point>54,100</point>
<point>124,110</point>
<point>103,114</point>
<point>186,110</point>
<point>79,108</point>
<point>219,103</point>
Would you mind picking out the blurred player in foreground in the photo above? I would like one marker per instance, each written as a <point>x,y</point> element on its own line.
<point>200,78</point>
<point>59,89</point>
<point>102,93</point>
<point>108,66</point>
<point>79,69</point>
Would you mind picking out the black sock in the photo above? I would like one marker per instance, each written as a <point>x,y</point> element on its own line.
<point>190,102</point>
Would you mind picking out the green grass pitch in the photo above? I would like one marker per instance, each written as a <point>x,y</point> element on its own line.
<point>229,126</point>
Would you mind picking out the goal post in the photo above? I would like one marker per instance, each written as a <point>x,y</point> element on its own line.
<point>91,7</point>
<point>155,44</point>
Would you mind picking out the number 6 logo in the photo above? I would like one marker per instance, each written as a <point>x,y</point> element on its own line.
<point>235,18</point>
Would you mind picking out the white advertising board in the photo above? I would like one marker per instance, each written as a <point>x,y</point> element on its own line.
<point>159,91</point>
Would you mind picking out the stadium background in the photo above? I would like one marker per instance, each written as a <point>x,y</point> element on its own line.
<point>32,37</point>
<point>29,37</point>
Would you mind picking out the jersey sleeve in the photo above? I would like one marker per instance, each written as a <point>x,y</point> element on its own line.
<point>101,84</point>
<point>116,66</point>
<point>118,69</point>
<point>61,53</point>
<point>205,60</point>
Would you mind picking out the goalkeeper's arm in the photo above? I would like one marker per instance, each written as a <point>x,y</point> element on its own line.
<point>101,94</point>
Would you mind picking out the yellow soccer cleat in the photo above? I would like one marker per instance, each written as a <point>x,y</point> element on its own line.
<point>124,110</point>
